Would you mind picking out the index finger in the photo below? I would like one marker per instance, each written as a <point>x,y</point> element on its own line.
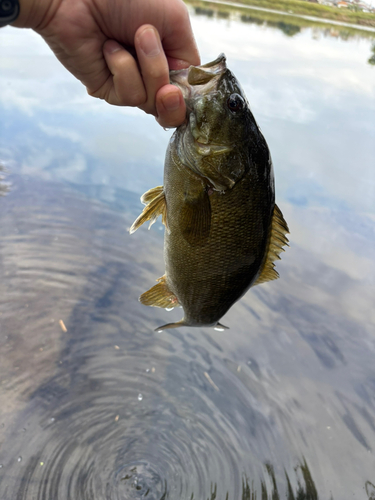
<point>153,64</point>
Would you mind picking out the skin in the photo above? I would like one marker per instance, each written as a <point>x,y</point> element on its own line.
<point>121,50</point>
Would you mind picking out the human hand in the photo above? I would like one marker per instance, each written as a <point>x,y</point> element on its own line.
<point>121,50</point>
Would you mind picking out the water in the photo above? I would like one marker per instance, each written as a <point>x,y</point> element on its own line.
<point>93,403</point>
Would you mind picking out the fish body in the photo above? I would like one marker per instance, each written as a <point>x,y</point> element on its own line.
<point>223,229</point>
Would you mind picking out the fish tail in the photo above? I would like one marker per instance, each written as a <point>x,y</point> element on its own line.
<point>218,326</point>
<point>172,325</point>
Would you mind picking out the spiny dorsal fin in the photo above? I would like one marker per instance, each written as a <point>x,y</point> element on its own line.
<point>278,239</point>
<point>159,296</point>
<point>154,199</point>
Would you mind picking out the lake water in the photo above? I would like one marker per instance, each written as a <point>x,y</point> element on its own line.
<point>93,403</point>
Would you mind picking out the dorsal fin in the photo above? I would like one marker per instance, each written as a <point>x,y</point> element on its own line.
<point>159,296</point>
<point>154,199</point>
<point>278,239</point>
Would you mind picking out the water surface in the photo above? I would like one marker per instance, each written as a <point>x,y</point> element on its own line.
<point>93,403</point>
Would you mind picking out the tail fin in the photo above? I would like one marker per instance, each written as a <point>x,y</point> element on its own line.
<point>171,325</point>
<point>219,327</point>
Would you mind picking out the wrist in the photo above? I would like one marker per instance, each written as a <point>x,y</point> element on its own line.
<point>33,13</point>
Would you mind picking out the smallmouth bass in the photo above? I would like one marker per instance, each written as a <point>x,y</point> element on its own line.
<point>223,228</point>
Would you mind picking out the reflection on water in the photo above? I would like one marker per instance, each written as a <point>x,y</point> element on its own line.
<point>372,58</point>
<point>93,403</point>
<point>290,26</point>
<point>4,187</point>
<point>114,411</point>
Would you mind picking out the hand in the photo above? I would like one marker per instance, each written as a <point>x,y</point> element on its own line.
<point>121,50</point>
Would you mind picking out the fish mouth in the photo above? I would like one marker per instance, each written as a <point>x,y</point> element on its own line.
<point>194,82</point>
<point>199,79</point>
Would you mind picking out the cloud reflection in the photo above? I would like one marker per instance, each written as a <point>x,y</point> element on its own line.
<point>4,187</point>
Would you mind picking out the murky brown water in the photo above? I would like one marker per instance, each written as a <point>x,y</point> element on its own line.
<point>93,403</point>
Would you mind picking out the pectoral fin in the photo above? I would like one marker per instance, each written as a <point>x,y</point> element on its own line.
<point>195,218</point>
<point>154,199</point>
<point>278,239</point>
<point>159,296</point>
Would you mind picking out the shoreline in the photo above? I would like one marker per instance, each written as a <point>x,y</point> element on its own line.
<point>306,17</point>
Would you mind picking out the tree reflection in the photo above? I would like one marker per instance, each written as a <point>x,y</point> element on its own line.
<point>306,489</point>
<point>288,29</point>
<point>293,26</point>
<point>370,490</point>
<point>372,58</point>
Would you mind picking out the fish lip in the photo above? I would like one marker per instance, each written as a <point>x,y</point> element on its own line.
<point>220,62</point>
<point>180,78</point>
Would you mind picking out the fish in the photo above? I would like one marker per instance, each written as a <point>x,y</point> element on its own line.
<point>223,229</point>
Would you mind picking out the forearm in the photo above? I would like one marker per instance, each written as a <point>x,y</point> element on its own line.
<point>35,13</point>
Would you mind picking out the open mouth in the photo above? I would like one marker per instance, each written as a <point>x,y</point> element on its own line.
<point>199,79</point>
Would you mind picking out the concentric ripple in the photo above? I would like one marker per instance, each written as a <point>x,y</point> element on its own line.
<point>139,480</point>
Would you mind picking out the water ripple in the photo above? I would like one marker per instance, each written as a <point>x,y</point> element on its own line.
<point>106,409</point>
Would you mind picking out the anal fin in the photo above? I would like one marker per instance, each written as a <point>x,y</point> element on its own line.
<point>277,240</point>
<point>159,296</point>
<point>154,199</point>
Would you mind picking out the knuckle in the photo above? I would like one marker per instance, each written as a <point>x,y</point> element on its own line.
<point>157,71</point>
<point>133,99</point>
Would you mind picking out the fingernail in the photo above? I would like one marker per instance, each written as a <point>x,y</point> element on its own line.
<point>149,43</point>
<point>111,47</point>
<point>171,101</point>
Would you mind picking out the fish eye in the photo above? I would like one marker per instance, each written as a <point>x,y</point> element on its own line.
<point>235,103</point>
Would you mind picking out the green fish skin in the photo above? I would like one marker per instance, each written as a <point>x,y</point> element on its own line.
<point>223,228</point>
